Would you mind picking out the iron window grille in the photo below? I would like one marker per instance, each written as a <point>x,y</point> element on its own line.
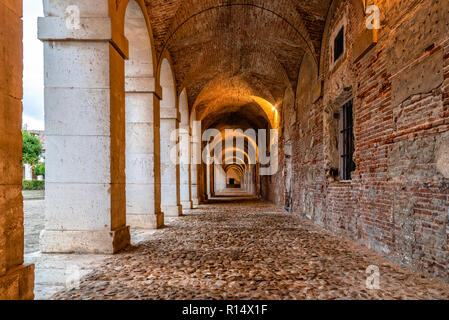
<point>347,140</point>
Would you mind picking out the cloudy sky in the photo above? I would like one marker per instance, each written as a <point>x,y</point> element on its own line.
<point>33,74</point>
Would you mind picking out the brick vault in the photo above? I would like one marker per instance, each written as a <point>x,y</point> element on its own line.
<point>335,111</point>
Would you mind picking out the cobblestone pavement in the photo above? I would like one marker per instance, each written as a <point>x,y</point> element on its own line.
<point>34,220</point>
<point>249,250</point>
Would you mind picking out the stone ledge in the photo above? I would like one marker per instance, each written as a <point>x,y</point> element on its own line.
<point>18,284</point>
<point>96,241</point>
<point>143,85</point>
<point>170,114</point>
<point>54,28</point>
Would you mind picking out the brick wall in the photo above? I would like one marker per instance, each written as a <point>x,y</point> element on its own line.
<point>398,200</point>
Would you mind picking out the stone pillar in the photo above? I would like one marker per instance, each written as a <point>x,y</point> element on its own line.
<point>185,180</point>
<point>195,159</point>
<point>208,181</point>
<point>205,183</point>
<point>243,184</point>
<point>143,197</point>
<point>85,130</point>
<point>16,279</point>
<point>212,180</point>
<point>194,185</point>
<point>249,178</point>
<point>28,172</point>
<point>170,191</point>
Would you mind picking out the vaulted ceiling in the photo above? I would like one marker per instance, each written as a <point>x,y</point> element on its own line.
<point>225,51</point>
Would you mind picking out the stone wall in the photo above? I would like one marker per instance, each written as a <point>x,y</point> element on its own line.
<point>398,200</point>
<point>16,280</point>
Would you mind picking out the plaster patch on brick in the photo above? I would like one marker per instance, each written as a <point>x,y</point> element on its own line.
<point>442,157</point>
<point>419,79</point>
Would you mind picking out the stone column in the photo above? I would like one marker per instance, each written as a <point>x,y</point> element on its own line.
<point>249,179</point>
<point>208,180</point>
<point>185,180</point>
<point>194,185</point>
<point>85,129</point>
<point>212,180</point>
<point>143,204</point>
<point>28,172</point>
<point>243,184</point>
<point>195,159</point>
<point>16,279</point>
<point>205,184</point>
<point>170,191</point>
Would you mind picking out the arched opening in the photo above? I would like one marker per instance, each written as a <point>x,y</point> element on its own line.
<point>233,177</point>
<point>170,170</point>
<point>185,153</point>
<point>142,205</point>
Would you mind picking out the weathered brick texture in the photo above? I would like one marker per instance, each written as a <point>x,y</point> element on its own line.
<point>398,200</point>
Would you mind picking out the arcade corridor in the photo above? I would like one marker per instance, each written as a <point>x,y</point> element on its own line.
<point>327,119</point>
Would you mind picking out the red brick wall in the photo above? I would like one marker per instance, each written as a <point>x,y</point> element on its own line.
<point>398,200</point>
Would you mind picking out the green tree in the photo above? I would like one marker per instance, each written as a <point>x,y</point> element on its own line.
<point>39,170</point>
<point>32,148</point>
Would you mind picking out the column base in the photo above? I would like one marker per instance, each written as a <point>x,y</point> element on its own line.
<point>172,211</point>
<point>96,241</point>
<point>18,283</point>
<point>145,221</point>
<point>186,205</point>
<point>195,203</point>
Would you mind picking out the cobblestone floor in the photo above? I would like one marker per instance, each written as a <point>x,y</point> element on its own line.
<point>249,250</point>
<point>34,220</point>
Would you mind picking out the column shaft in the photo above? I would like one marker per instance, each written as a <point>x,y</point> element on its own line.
<point>143,209</point>
<point>170,191</point>
<point>85,133</point>
<point>185,167</point>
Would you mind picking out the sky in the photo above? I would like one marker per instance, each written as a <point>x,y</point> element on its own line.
<point>33,69</point>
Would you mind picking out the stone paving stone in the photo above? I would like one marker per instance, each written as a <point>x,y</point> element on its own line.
<point>249,250</point>
<point>34,220</point>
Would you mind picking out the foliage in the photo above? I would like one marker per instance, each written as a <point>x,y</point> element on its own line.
<point>39,170</point>
<point>32,148</point>
<point>33,185</point>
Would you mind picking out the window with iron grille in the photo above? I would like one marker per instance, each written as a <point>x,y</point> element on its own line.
<point>339,44</point>
<point>347,164</point>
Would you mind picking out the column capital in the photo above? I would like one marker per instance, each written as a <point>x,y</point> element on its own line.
<point>90,29</point>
